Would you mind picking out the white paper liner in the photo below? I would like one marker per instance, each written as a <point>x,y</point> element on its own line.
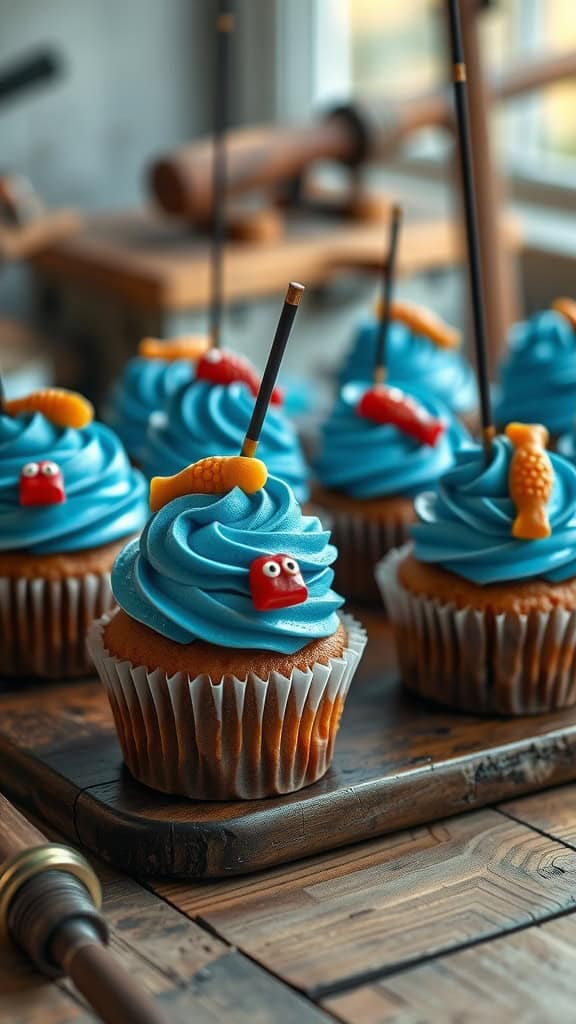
<point>236,739</point>
<point>361,543</point>
<point>43,623</point>
<point>509,663</point>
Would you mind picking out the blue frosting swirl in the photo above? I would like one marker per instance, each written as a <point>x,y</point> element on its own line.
<point>466,526</point>
<point>187,577</point>
<point>412,360</point>
<point>106,499</point>
<point>538,377</point>
<point>370,460</point>
<point>203,419</point>
<point>144,387</point>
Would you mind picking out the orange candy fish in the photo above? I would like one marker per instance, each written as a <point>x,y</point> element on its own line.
<point>189,346</point>
<point>423,321</point>
<point>215,475</point>
<point>567,309</point>
<point>62,407</point>
<point>530,480</point>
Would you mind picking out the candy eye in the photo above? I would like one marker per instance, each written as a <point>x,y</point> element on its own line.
<point>271,569</point>
<point>30,469</point>
<point>290,565</point>
<point>49,469</point>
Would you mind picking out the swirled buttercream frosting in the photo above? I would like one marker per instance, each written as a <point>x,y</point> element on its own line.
<point>466,526</point>
<point>106,498</point>
<point>369,460</point>
<point>202,419</point>
<point>143,388</point>
<point>413,360</point>
<point>538,377</point>
<point>187,576</point>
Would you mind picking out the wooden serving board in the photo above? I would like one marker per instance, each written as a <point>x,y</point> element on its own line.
<point>399,763</point>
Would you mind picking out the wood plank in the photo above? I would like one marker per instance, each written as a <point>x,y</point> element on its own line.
<point>28,998</point>
<point>399,762</point>
<point>528,977</point>
<point>553,812</point>
<point>329,921</point>
<point>159,262</point>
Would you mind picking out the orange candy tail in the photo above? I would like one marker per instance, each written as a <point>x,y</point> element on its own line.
<point>531,524</point>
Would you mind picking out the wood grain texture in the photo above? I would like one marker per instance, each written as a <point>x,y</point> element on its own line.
<point>27,998</point>
<point>157,263</point>
<point>553,812</point>
<point>528,977</point>
<point>399,762</point>
<point>381,906</point>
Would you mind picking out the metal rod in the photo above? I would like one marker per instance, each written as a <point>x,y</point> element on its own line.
<point>474,267</point>
<point>388,280</point>
<point>224,27</point>
<point>289,310</point>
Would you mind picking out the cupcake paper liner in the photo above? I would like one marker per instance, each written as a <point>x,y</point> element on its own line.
<point>508,664</point>
<point>235,739</point>
<point>43,624</point>
<point>361,543</point>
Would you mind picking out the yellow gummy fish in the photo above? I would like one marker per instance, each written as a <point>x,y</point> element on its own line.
<point>423,321</point>
<point>62,407</point>
<point>530,480</point>
<point>214,475</point>
<point>189,346</point>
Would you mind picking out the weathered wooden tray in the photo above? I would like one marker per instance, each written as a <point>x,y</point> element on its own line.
<point>399,762</point>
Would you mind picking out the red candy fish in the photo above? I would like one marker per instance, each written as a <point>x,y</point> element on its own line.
<point>222,367</point>
<point>276,582</point>
<point>390,405</point>
<point>41,483</point>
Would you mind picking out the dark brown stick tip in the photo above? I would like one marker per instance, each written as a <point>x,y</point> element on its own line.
<point>295,293</point>
<point>225,23</point>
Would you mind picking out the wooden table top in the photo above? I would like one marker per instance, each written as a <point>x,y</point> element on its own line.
<point>468,919</point>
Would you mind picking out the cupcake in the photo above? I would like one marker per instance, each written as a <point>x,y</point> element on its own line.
<point>69,499</point>
<point>146,384</point>
<point>421,352</point>
<point>484,603</point>
<point>368,475</point>
<point>538,376</point>
<point>206,418</point>
<point>228,663</point>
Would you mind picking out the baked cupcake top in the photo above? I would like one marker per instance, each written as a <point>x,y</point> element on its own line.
<point>467,526</point>
<point>364,459</point>
<point>538,376</point>
<point>413,360</point>
<point>188,577</point>
<point>144,386</point>
<point>65,489</point>
<point>203,418</point>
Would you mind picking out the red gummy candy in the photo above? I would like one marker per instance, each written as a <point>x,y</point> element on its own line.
<point>220,366</point>
<point>276,582</point>
<point>390,405</point>
<point>41,483</point>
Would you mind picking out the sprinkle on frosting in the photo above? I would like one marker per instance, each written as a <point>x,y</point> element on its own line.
<point>466,527</point>
<point>188,576</point>
<point>216,474</point>
<point>62,407</point>
<point>531,480</point>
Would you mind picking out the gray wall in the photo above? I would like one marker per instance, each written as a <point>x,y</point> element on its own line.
<point>134,83</point>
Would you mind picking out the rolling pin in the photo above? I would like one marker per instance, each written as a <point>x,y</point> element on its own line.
<point>262,157</point>
<point>50,907</point>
